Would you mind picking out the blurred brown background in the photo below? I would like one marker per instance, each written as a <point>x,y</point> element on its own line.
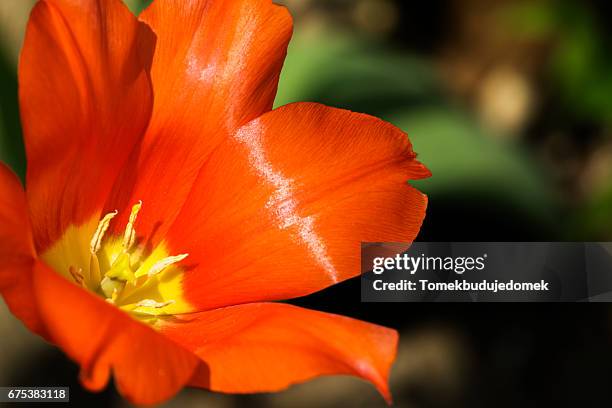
<point>509,103</point>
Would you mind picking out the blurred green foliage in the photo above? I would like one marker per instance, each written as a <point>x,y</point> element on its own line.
<point>11,142</point>
<point>137,5</point>
<point>581,62</point>
<point>341,71</point>
<point>580,68</point>
<point>595,221</point>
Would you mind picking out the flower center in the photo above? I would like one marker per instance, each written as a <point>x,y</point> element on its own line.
<point>145,285</point>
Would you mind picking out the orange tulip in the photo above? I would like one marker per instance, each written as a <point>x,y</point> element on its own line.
<point>167,204</point>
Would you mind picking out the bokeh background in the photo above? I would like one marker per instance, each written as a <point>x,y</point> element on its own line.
<point>509,103</point>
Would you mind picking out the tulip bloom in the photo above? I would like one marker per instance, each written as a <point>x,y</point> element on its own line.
<point>167,205</point>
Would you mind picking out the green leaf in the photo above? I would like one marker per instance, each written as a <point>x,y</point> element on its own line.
<point>342,71</point>
<point>136,6</point>
<point>464,160</point>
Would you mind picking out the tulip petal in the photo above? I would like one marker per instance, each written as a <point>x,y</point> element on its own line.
<point>147,367</point>
<point>216,67</point>
<point>263,347</point>
<point>16,251</point>
<point>15,233</point>
<point>86,99</point>
<point>280,209</point>
<point>217,62</point>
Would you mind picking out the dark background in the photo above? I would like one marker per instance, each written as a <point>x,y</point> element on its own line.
<point>509,103</point>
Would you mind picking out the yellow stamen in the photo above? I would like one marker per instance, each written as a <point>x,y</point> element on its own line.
<point>122,270</point>
<point>159,266</point>
<point>130,233</point>
<point>96,241</point>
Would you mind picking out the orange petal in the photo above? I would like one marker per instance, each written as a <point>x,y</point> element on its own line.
<point>17,252</point>
<point>216,67</point>
<point>85,98</point>
<point>147,367</point>
<point>280,209</point>
<point>15,232</point>
<point>262,347</point>
<point>217,62</point>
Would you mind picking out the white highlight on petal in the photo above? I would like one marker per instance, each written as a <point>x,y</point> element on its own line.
<point>224,68</point>
<point>282,203</point>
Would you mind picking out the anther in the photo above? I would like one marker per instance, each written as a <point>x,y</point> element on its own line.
<point>130,233</point>
<point>96,241</point>
<point>159,266</point>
